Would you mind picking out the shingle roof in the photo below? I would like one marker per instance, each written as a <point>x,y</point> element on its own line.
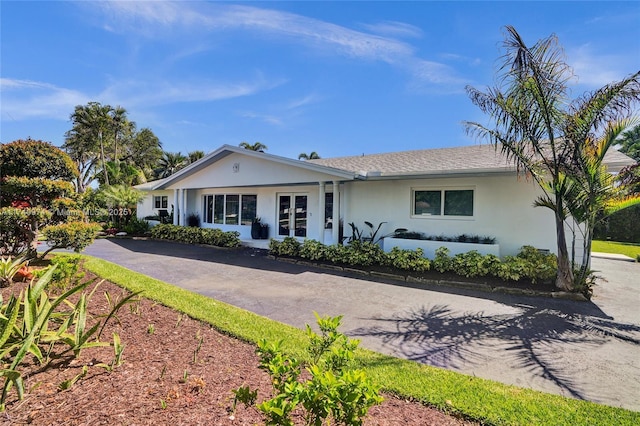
<point>441,161</point>
<point>466,159</point>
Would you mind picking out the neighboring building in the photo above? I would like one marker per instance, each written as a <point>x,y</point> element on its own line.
<point>468,190</point>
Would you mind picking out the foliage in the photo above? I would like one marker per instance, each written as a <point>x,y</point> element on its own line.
<point>193,220</point>
<point>36,192</point>
<point>409,260</point>
<point>630,142</point>
<point>19,229</point>
<point>289,246</point>
<point>473,264</point>
<point>9,268</point>
<point>463,238</point>
<point>30,325</point>
<point>72,235</point>
<point>335,390</point>
<point>311,156</point>
<point>358,235</point>
<point>214,237</point>
<point>258,146</point>
<point>548,138</point>
<point>442,262</point>
<point>170,163</point>
<point>36,159</point>
<point>137,226</point>
<point>312,250</point>
<point>66,271</point>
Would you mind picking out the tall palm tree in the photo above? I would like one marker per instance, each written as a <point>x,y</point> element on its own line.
<point>91,123</point>
<point>630,143</point>
<point>119,123</point>
<point>312,156</point>
<point>258,146</point>
<point>534,129</point>
<point>170,163</point>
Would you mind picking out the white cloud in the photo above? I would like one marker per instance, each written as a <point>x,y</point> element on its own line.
<point>157,18</point>
<point>595,70</point>
<point>23,99</point>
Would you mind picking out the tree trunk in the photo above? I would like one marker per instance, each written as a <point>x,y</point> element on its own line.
<point>564,279</point>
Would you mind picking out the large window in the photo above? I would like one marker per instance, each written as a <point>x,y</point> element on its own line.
<point>160,201</point>
<point>229,209</point>
<point>443,202</point>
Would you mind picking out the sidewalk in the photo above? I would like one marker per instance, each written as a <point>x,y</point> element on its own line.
<point>584,350</point>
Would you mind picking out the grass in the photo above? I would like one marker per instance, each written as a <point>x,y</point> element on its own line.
<point>628,249</point>
<point>471,397</point>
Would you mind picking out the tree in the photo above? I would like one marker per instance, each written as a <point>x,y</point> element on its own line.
<point>630,142</point>
<point>534,129</point>
<point>102,134</point>
<point>195,156</point>
<point>312,156</point>
<point>36,159</point>
<point>258,146</point>
<point>38,193</point>
<point>170,163</point>
<point>122,201</point>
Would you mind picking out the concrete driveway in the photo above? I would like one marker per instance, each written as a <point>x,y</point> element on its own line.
<point>584,350</point>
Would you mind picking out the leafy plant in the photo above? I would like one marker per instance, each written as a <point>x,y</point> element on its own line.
<point>193,220</point>
<point>74,235</point>
<point>442,262</point>
<point>67,271</point>
<point>10,267</point>
<point>335,392</point>
<point>214,237</point>
<point>408,260</point>
<point>312,250</point>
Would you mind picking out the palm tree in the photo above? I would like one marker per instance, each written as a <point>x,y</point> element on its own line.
<point>119,123</point>
<point>630,143</point>
<point>122,201</point>
<point>91,122</point>
<point>312,156</point>
<point>170,163</point>
<point>533,129</point>
<point>258,146</point>
<point>195,156</point>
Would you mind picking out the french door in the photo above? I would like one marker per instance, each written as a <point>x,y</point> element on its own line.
<point>292,215</point>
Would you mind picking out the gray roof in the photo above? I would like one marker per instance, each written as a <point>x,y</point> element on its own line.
<point>476,159</point>
<point>458,160</point>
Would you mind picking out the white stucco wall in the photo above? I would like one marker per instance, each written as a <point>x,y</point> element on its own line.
<point>147,208</point>
<point>502,209</point>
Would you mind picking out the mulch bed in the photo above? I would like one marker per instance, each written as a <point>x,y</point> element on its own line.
<point>165,379</point>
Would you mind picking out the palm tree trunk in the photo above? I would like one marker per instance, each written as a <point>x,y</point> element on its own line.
<point>104,168</point>
<point>564,279</point>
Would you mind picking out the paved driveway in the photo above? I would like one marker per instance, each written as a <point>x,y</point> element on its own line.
<point>582,350</point>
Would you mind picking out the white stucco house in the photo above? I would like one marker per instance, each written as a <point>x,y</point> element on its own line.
<point>469,190</point>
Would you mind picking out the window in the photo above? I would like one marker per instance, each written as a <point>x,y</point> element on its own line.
<point>229,209</point>
<point>328,210</point>
<point>441,202</point>
<point>160,201</point>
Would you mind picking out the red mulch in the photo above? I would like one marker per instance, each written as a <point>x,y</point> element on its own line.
<point>150,388</point>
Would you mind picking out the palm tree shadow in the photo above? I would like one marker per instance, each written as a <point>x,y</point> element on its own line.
<point>530,337</point>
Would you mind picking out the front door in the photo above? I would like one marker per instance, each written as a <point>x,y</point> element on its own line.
<point>292,215</point>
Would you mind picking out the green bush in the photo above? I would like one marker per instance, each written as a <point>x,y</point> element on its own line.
<point>66,271</point>
<point>540,266</point>
<point>312,250</point>
<point>18,228</point>
<point>334,391</point>
<point>190,235</point>
<point>364,253</point>
<point>137,226</point>
<point>473,264</point>
<point>287,247</point>
<point>337,253</point>
<point>72,235</point>
<point>408,260</point>
<point>442,262</point>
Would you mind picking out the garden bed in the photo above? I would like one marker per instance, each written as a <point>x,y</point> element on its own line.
<point>176,370</point>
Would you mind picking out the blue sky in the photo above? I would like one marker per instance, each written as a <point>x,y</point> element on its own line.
<point>339,78</point>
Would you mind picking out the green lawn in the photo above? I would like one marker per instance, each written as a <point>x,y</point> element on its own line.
<point>628,249</point>
<point>487,401</point>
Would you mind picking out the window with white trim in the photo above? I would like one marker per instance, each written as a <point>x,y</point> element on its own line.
<point>160,201</point>
<point>229,209</point>
<point>442,202</point>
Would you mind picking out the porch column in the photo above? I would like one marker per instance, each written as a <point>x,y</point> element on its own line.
<point>180,206</point>
<point>321,199</point>
<point>175,206</point>
<point>336,213</point>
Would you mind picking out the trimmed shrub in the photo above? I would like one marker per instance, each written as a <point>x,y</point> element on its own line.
<point>185,234</point>
<point>442,262</point>
<point>137,226</point>
<point>287,247</point>
<point>73,235</point>
<point>408,260</point>
<point>473,264</point>
<point>312,250</point>
<point>18,228</point>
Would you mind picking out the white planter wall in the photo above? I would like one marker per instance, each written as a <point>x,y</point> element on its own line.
<point>429,247</point>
